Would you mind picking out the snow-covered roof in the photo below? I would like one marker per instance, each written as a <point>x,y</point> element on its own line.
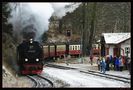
<point>115,38</point>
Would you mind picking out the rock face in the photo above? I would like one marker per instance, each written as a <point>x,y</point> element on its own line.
<point>54,24</point>
<point>10,81</point>
<point>57,31</point>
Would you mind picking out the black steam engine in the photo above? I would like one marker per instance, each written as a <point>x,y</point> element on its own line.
<point>29,57</point>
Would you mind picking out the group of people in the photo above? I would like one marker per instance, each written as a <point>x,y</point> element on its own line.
<point>115,63</point>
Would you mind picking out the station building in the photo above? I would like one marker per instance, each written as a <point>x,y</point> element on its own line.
<point>116,44</point>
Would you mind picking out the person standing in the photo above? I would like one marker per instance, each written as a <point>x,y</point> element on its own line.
<point>66,59</point>
<point>129,65</point>
<point>114,59</point>
<point>121,64</point>
<point>111,61</point>
<point>126,62</point>
<point>91,59</point>
<point>98,63</point>
<point>103,65</point>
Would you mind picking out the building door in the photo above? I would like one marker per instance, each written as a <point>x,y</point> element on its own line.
<point>107,51</point>
<point>116,51</point>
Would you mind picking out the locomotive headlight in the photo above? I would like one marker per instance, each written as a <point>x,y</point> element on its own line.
<point>26,59</point>
<point>37,59</point>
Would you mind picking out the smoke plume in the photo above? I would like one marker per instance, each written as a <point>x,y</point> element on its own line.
<point>34,17</point>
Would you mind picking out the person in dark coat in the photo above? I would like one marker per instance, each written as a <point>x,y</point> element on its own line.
<point>126,62</point>
<point>117,64</point>
<point>111,61</point>
<point>129,65</point>
<point>107,63</point>
<point>101,64</point>
<point>114,59</point>
<point>91,59</point>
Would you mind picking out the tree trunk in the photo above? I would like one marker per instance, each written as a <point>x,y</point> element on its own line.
<point>83,32</point>
<point>92,29</point>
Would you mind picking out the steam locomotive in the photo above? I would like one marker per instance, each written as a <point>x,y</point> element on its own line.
<point>30,57</point>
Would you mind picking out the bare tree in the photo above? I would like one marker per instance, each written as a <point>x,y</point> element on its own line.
<point>92,28</point>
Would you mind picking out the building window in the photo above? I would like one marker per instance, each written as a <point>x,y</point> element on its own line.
<point>127,49</point>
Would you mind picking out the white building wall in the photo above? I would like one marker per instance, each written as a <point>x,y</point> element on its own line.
<point>111,49</point>
<point>124,45</point>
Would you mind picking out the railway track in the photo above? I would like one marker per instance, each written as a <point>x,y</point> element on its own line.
<point>60,67</point>
<point>40,82</point>
<point>109,76</point>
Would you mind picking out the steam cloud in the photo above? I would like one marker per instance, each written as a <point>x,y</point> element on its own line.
<point>34,17</point>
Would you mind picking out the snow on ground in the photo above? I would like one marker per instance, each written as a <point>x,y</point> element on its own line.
<point>57,82</point>
<point>78,79</point>
<point>94,67</point>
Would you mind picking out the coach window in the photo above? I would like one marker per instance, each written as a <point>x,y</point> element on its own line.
<point>70,47</point>
<point>78,48</point>
<point>75,47</point>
